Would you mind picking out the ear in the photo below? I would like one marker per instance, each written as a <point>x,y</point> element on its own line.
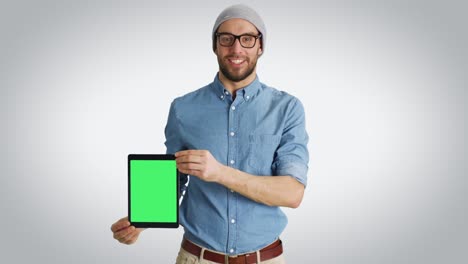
<point>260,51</point>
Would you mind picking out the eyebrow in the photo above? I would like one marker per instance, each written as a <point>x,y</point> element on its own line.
<point>248,33</point>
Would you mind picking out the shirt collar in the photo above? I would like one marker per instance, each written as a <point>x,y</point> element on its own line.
<point>247,92</point>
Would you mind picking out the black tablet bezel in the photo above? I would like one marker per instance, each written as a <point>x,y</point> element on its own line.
<point>152,224</point>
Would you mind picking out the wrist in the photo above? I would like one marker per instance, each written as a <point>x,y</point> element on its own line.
<point>223,173</point>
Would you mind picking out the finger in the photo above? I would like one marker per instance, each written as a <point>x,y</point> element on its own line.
<point>190,166</point>
<point>127,237</point>
<point>190,152</point>
<point>119,235</point>
<point>131,238</point>
<point>196,173</point>
<point>184,169</point>
<point>189,158</point>
<point>121,224</point>
<point>182,153</point>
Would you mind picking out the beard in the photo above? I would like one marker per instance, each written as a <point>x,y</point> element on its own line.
<point>237,76</point>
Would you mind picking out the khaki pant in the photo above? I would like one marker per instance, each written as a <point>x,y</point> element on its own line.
<point>185,257</point>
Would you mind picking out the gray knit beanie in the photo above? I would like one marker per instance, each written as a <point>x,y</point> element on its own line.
<point>243,12</point>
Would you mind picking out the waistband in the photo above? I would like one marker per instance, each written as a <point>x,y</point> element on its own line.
<point>273,250</point>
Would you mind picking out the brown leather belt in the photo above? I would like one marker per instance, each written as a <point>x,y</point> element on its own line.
<point>273,250</point>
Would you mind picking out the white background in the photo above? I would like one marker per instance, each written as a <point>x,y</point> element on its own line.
<point>384,84</point>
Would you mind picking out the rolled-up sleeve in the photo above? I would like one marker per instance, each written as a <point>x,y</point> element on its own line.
<point>174,141</point>
<point>172,132</point>
<point>292,155</point>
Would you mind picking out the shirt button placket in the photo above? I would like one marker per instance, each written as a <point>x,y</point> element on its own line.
<point>232,198</point>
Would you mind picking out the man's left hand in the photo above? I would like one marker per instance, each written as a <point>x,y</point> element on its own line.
<point>199,163</point>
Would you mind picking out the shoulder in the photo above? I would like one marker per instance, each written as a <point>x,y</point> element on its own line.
<point>279,97</point>
<point>197,96</point>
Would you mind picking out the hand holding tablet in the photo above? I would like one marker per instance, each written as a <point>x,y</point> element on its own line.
<point>153,191</point>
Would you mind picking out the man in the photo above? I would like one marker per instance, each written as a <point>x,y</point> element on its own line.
<point>244,146</point>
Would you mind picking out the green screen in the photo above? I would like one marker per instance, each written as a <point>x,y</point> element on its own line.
<point>153,189</point>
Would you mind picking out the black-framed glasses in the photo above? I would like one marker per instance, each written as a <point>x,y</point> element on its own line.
<point>246,40</point>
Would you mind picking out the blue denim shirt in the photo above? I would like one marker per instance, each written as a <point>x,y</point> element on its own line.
<point>261,132</point>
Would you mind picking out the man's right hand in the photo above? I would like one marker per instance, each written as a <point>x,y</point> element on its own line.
<point>124,232</point>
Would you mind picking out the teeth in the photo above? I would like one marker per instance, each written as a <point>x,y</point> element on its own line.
<point>237,61</point>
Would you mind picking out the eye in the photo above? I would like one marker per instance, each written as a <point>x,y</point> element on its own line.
<point>225,38</point>
<point>247,38</point>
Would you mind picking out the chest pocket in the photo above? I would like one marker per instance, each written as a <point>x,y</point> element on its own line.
<point>262,150</point>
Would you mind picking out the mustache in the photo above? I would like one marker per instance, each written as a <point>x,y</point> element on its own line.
<point>235,57</point>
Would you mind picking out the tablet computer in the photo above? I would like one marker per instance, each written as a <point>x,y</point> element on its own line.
<point>153,191</point>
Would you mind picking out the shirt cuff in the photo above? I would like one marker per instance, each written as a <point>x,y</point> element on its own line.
<point>296,170</point>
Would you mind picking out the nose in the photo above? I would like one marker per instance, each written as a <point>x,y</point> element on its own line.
<point>236,46</point>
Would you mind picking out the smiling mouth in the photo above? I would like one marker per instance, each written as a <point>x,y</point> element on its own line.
<point>236,61</point>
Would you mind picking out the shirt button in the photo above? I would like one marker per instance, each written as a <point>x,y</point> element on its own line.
<point>232,191</point>
<point>226,92</point>
<point>247,97</point>
<point>232,161</point>
<point>231,250</point>
<point>232,134</point>
<point>233,108</point>
<point>222,96</point>
<point>233,221</point>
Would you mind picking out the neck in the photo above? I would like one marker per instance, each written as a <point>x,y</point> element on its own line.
<point>232,86</point>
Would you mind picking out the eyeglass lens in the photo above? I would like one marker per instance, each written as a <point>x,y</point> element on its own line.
<point>246,41</point>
